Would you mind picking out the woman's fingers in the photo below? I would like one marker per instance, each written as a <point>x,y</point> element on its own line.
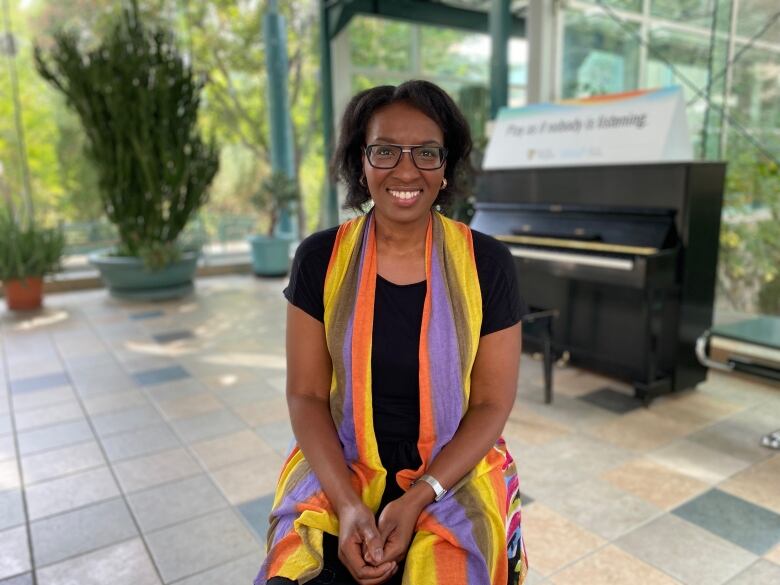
<point>382,578</point>
<point>349,555</point>
<point>373,543</point>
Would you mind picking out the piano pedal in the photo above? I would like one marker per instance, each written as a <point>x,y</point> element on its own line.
<point>564,359</point>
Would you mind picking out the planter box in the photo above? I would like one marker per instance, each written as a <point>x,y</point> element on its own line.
<point>25,294</point>
<point>270,256</point>
<point>127,278</point>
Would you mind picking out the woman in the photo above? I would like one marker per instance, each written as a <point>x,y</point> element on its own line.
<point>403,346</point>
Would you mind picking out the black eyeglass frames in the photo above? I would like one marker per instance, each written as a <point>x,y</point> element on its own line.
<point>387,156</point>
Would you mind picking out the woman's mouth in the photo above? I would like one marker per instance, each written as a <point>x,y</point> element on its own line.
<point>405,194</point>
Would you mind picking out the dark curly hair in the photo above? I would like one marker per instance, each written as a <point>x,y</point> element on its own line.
<point>432,101</point>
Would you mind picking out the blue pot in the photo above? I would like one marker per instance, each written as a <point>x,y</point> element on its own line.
<point>127,278</point>
<point>270,255</point>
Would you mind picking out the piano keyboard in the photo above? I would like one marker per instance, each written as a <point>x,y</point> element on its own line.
<point>566,257</point>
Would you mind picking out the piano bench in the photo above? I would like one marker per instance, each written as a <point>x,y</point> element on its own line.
<point>537,327</point>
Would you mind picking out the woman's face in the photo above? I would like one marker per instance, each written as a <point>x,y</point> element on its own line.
<point>403,194</point>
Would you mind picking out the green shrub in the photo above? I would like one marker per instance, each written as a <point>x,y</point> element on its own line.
<point>28,250</point>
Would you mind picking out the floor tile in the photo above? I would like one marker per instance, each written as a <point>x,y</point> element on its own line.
<point>554,540</point>
<point>143,315</point>
<point>641,430</point>
<point>126,563</point>
<point>248,480</point>
<point>200,544</point>
<point>245,394</point>
<point>152,470</point>
<point>114,382</point>
<point>11,508</point>
<point>189,406</point>
<point>5,423</point>
<point>160,375</point>
<point>7,447</point>
<point>35,383</point>
<point>698,461</point>
<point>753,528</point>
<point>9,474</point>
<point>104,403</point>
<point>612,400</point>
<point>694,409</point>
<point>126,420</point>
<point>227,449</point>
<point>760,573</point>
<point>207,426</point>
<point>266,411</point>
<point>757,484</point>
<point>144,441</point>
<point>69,492</point>
<point>43,398</point>
<point>14,552</point>
<point>175,502</point>
<point>256,513</point>
<point>656,483</point>
<point>774,555</point>
<point>611,566</point>
<point>278,435</point>
<point>573,413</point>
<point>734,437</point>
<point>176,389</point>
<point>691,554</point>
<point>532,428</point>
<point>243,570</point>
<point>73,533</point>
<point>58,462</point>
<point>602,508</point>
<point>49,415</point>
<point>171,336</point>
<point>25,579</point>
<point>51,437</point>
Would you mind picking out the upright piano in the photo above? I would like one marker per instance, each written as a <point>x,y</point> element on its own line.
<point>626,254</point>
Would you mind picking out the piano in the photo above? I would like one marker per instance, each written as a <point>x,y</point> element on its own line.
<point>625,254</point>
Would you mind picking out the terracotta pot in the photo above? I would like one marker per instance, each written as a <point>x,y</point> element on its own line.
<point>24,295</point>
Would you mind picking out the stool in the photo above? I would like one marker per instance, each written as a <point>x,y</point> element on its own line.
<point>537,327</point>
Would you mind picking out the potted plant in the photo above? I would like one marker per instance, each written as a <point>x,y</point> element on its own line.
<point>27,253</point>
<point>271,252</point>
<point>137,99</point>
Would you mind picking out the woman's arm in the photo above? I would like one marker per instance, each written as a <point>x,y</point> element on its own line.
<point>493,388</point>
<point>309,372</point>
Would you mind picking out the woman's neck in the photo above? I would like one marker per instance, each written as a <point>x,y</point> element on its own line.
<point>401,239</point>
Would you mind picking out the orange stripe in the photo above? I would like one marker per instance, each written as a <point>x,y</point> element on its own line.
<point>361,343</point>
<point>449,556</point>
<point>427,430</point>
<point>282,551</point>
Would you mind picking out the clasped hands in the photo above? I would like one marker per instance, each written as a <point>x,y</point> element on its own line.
<point>372,550</point>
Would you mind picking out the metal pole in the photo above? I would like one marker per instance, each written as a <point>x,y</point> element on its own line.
<point>331,202</point>
<point>500,19</point>
<point>282,152</point>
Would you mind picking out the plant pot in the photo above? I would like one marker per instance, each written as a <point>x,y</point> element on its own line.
<point>25,294</point>
<point>270,255</point>
<point>127,278</point>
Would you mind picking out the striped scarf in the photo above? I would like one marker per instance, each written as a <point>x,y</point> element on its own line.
<point>473,534</point>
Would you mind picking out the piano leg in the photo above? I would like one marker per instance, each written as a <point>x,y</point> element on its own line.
<point>548,360</point>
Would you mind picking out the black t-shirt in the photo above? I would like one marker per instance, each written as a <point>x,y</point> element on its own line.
<point>397,320</point>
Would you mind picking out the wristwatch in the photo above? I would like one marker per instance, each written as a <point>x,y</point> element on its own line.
<point>434,483</point>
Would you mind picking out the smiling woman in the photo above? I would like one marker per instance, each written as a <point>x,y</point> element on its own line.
<point>403,346</point>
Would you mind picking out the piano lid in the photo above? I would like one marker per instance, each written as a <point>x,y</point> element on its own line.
<point>587,228</point>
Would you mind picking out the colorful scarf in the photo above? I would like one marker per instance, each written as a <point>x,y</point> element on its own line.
<point>473,534</point>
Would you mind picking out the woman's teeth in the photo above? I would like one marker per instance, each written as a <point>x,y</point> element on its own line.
<point>404,194</point>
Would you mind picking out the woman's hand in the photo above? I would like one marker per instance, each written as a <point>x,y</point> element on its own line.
<point>358,532</point>
<point>396,526</point>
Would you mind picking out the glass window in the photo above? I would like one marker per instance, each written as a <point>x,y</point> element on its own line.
<point>600,55</point>
<point>688,54</point>
<point>380,43</point>
<point>754,15</point>
<point>691,12</point>
<point>627,5</point>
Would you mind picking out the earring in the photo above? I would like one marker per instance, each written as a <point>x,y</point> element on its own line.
<point>444,183</point>
<point>362,180</point>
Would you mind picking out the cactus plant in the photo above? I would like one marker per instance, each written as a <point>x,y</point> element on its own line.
<point>138,100</point>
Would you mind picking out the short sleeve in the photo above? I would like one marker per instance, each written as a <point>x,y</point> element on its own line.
<point>307,274</point>
<point>502,305</point>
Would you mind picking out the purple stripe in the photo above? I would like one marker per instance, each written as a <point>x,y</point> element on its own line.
<point>444,357</point>
<point>347,432</point>
<point>451,514</point>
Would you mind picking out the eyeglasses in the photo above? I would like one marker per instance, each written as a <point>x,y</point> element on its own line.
<point>387,156</point>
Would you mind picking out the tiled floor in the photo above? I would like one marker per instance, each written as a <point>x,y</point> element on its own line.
<point>140,444</point>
